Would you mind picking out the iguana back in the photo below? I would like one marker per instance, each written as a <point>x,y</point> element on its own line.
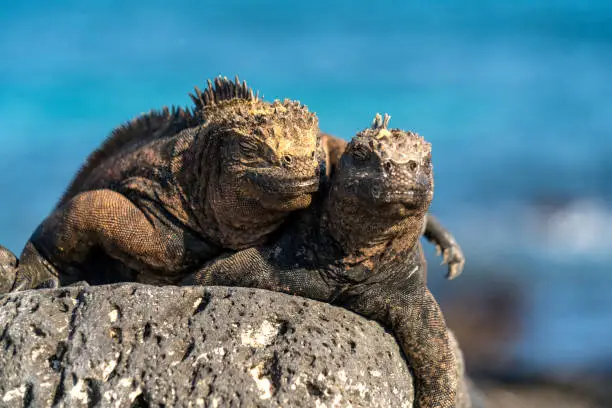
<point>148,126</point>
<point>174,188</point>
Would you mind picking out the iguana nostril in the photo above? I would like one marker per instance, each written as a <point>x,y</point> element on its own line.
<point>388,166</point>
<point>412,165</point>
<point>287,160</point>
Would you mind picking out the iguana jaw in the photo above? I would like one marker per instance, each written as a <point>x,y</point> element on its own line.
<point>410,195</point>
<point>283,188</point>
<point>362,226</point>
<point>384,196</point>
<point>281,194</point>
<point>365,213</point>
<point>286,204</point>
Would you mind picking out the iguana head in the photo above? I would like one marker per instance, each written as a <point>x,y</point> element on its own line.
<point>379,192</point>
<point>267,150</point>
<point>386,168</point>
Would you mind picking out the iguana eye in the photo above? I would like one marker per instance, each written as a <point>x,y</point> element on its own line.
<point>360,152</point>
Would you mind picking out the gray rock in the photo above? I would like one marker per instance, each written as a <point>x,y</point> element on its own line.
<point>137,345</point>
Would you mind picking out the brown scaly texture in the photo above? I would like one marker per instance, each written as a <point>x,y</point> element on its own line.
<point>173,189</point>
<point>435,232</point>
<point>8,264</point>
<point>152,125</point>
<point>358,246</point>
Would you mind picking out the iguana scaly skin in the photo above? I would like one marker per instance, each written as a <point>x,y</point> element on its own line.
<point>436,233</point>
<point>8,265</point>
<point>173,189</point>
<point>358,247</point>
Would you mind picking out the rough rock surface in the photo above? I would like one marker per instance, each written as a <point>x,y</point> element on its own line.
<point>137,345</point>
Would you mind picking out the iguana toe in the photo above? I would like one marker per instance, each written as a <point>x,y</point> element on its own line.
<point>49,283</point>
<point>34,271</point>
<point>453,256</point>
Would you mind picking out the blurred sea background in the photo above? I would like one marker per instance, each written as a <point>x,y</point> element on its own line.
<point>516,98</point>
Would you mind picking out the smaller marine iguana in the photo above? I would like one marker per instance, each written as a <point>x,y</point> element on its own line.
<point>173,189</point>
<point>435,233</point>
<point>358,247</point>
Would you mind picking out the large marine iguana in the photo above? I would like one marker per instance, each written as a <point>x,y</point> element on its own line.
<point>358,246</point>
<point>174,188</point>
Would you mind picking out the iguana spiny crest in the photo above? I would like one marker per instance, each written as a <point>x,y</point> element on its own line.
<point>236,105</point>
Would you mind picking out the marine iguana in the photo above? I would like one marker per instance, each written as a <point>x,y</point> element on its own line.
<point>137,137</point>
<point>358,247</point>
<point>444,241</point>
<point>172,189</point>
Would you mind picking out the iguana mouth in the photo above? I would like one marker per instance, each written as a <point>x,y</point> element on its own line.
<point>298,187</point>
<point>285,188</point>
<point>408,198</point>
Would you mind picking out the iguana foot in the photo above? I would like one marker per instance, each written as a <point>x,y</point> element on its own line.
<point>34,271</point>
<point>49,283</point>
<point>446,245</point>
<point>8,269</point>
<point>453,256</point>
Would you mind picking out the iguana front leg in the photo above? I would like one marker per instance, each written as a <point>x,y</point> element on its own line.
<point>416,320</point>
<point>258,268</point>
<point>94,220</point>
<point>446,245</point>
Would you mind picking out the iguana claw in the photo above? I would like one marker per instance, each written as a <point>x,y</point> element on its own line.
<point>446,246</point>
<point>453,256</point>
<point>34,271</point>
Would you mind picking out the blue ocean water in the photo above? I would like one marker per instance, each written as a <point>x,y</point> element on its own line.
<point>516,98</point>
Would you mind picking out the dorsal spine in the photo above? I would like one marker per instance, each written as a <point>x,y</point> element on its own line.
<point>223,90</point>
